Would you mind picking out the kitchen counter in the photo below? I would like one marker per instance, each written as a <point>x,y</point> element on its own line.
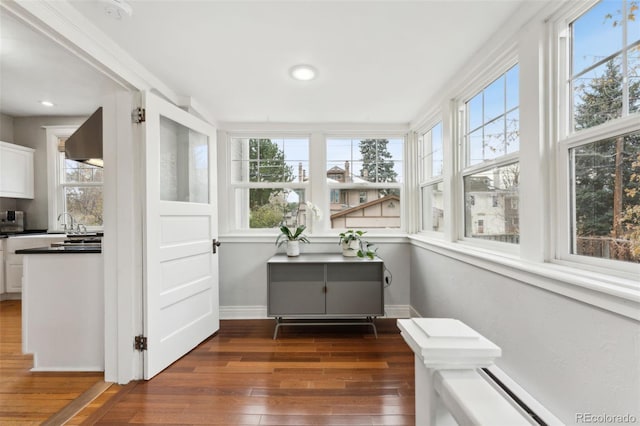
<point>78,249</point>
<point>63,310</point>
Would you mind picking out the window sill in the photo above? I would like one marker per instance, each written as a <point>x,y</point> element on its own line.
<point>615,294</point>
<point>270,237</point>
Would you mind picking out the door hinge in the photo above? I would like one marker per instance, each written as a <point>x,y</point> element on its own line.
<point>140,343</point>
<point>139,115</point>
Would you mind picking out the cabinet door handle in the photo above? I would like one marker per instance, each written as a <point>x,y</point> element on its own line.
<point>216,244</point>
<point>324,289</point>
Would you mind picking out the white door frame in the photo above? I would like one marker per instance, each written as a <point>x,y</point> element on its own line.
<point>122,248</point>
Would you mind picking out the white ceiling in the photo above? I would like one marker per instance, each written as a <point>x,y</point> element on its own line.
<point>34,68</point>
<point>378,61</point>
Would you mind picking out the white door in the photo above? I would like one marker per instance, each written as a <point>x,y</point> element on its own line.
<point>180,299</point>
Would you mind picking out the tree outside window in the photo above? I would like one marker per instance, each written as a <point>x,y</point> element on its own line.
<point>605,188</point>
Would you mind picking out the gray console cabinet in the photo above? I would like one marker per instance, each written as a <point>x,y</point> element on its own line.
<point>317,286</point>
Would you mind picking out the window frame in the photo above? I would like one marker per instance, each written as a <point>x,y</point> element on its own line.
<point>239,209</point>
<point>426,178</point>
<point>565,138</point>
<point>368,185</point>
<point>500,67</point>
<point>55,167</point>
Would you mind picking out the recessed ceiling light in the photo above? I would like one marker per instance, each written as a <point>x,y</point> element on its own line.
<point>303,72</point>
<point>46,103</point>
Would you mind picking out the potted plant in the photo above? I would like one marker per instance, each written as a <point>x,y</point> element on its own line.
<point>354,245</point>
<point>293,238</point>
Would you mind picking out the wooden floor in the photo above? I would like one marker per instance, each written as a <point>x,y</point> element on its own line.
<point>338,375</point>
<point>26,397</point>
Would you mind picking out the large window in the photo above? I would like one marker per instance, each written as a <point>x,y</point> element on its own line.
<point>79,193</point>
<point>490,160</point>
<point>364,178</point>
<point>430,169</point>
<point>601,143</point>
<point>269,177</point>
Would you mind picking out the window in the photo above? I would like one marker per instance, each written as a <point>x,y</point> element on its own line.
<point>269,177</point>
<point>605,63</point>
<point>78,192</point>
<point>368,173</point>
<point>363,197</point>
<point>431,161</point>
<point>491,169</point>
<point>600,146</point>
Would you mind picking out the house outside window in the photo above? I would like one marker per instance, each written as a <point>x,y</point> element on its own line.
<point>430,163</point>
<point>600,135</point>
<point>491,168</point>
<point>368,172</point>
<point>269,178</point>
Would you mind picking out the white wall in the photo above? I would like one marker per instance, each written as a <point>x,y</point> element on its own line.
<point>29,131</point>
<point>243,273</point>
<point>6,128</point>
<point>570,356</point>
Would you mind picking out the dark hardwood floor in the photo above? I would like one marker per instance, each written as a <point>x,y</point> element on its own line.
<point>338,375</point>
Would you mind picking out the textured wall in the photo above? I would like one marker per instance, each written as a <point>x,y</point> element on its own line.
<point>570,356</point>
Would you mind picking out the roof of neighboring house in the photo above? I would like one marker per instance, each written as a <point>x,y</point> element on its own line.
<point>365,205</point>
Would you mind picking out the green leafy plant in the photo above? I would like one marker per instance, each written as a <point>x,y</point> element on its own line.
<point>365,248</point>
<point>289,234</point>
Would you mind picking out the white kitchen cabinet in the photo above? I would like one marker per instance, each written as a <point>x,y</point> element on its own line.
<point>13,262</point>
<point>63,311</point>
<point>16,171</point>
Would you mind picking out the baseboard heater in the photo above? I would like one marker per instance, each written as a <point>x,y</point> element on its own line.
<point>514,397</point>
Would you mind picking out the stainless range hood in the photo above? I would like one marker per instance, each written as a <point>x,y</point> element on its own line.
<point>85,144</point>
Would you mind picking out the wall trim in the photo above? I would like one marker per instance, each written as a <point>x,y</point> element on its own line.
<point>243,312</point>
<point>397,311</point>
<point>235,312</point>
<point>611,293</point>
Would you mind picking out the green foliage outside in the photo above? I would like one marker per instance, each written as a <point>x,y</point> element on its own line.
<point>606,187</point>
<point>377,163</point>
<point>267,164</point>
<point>84,203</point>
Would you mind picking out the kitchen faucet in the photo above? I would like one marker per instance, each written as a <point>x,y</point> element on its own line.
<point>64,224</point>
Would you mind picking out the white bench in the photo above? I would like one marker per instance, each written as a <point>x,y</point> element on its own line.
<point>449,387</point>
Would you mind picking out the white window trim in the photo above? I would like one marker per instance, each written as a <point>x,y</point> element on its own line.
<point>616,294</point>
<point>370,185</point>
<point>241,213</point>
<point>53,134</point>
<point>565,138</point>
<point>424,181</point>
<point>496,68</point>
<point>316,190</point>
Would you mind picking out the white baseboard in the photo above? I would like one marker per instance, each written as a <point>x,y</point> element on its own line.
<point>10,296</point>
<point>397,311</point>
<point>243,312</point>
<point>260,312</point>
<point>547,416</point>
<point>414,313</point>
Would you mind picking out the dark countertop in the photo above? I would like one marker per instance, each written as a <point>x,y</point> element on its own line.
<point>61,250</point>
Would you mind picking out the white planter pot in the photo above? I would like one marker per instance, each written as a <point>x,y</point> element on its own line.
<point>293,248</point>
<point>350,249</point>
